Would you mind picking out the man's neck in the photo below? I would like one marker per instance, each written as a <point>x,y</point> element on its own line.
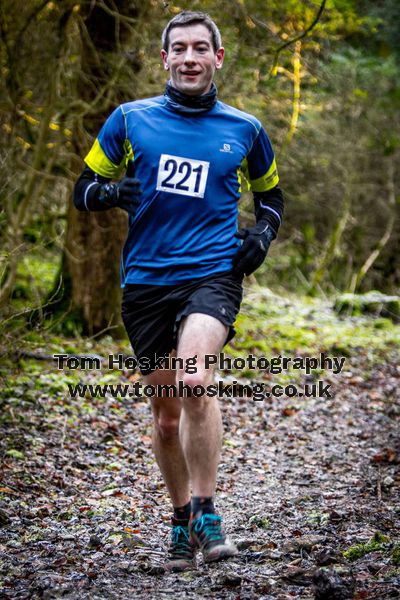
<point>186,103</point>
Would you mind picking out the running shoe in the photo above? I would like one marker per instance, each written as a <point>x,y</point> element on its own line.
<point>181,553</point>
<point>207,534</point>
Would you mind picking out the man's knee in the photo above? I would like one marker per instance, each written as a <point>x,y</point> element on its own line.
<point>195,381</point>
<point>194,398</point>
<point>167,428</point>
<point>192,379</point>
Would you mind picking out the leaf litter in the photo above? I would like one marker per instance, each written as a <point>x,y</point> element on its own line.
<point>308,488</point>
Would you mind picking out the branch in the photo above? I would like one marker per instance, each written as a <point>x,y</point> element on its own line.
<point>116,14</point>
<point>332,245</point>
<point>296,77</point>
<point>25,208</point>
<point>296,38</point>
<point>263,25</point>
<point>34,13</point>
<point>358,277</point>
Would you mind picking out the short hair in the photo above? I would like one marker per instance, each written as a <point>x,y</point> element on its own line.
<point>188,17</point>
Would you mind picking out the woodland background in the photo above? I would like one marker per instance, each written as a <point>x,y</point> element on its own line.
<point>309,487</point>
<point>322,77</point>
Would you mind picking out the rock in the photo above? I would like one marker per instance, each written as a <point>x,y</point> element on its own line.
<point>327,556</point>
<point>243,544</point>
<point>373,303</point>
<point>375,567</point>
<point>273,554</point>
<point>328,585</point>
<point>388,481</point>
<point>94,541</point>
<point>306,542</point>
<point>145,566</point>
<point>4,517</point>
<point>229,579</point>
<point>297,575</point>
<point>42,511</point>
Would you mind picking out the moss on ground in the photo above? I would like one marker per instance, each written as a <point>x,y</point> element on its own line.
<point>269,324</point>
<point>396,555</point>
<point>377,543</point>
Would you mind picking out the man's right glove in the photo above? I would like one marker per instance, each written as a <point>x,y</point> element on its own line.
<point>125,194</point>
<point>254,249</point>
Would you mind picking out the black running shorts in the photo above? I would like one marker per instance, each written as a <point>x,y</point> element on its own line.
<point>152,313</point>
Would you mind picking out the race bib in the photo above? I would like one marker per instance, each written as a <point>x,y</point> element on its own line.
<point>185,176</point>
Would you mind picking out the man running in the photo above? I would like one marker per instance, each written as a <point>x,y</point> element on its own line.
<point>185,154</point>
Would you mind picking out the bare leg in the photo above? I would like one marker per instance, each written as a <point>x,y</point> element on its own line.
<point>166,444</point>
<point>187,442</point>
<point>200,427</point>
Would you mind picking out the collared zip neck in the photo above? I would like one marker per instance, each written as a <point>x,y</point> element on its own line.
<point>190,105</point>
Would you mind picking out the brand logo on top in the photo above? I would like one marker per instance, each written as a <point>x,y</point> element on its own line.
<point>226,148</point>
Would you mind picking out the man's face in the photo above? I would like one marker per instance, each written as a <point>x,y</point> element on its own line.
<point>191,59</point>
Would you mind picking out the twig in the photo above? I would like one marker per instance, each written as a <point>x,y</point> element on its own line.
<point>116,14</point>
<point>296,38</point>
<point>332,244</point>
<point>41,356</point>
<point>379,484</point>
<point>358,277</point>
<point>63,433</point>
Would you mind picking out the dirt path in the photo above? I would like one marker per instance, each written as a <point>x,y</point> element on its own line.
<point>83,511</point>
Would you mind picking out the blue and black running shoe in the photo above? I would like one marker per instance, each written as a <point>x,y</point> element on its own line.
<point>207,534</point>
<point>181,554</point>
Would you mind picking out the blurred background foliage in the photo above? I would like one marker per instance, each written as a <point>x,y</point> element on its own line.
<point>323,77</point>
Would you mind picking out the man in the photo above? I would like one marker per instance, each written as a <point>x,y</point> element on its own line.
<point>183,264</point>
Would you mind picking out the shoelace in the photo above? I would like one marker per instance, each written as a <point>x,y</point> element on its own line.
<point>180,538</point>
<point>211,526</point>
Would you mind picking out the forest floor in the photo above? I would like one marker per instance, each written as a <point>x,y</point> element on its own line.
<point>308,487</point>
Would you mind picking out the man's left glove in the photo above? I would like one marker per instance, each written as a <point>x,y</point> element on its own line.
<point>125,194</point>
<point>254,249</point>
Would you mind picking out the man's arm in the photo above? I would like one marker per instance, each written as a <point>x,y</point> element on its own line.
<point>268,207</point>
<point>87,191</point>
<point>93,192</point>
<point>109,153</point>
<point>268,203</point>
<point>257,239</point>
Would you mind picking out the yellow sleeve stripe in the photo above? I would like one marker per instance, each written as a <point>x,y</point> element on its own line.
<point>129,155</point>
<point>239,176</point>
<point>100,163</point>
<point>267,181</point>
<point>243,177</point>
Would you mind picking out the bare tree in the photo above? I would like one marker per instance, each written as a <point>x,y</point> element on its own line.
<point>90,267</point>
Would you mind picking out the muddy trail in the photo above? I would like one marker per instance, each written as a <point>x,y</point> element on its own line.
<point>308,488</point>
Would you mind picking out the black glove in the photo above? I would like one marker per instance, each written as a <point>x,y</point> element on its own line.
<point>125,194</point>
<point>254,249</point>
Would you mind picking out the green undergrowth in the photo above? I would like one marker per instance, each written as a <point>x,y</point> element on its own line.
<point>378,543</point>
<point>27,381</point>
<point>269,325</point>
<point>279,326</point>
<point>35,278</point>
<point>396,555</point>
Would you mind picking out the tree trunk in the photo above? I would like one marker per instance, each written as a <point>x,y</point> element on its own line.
<point>92,251</point>
<point>94,240</point>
